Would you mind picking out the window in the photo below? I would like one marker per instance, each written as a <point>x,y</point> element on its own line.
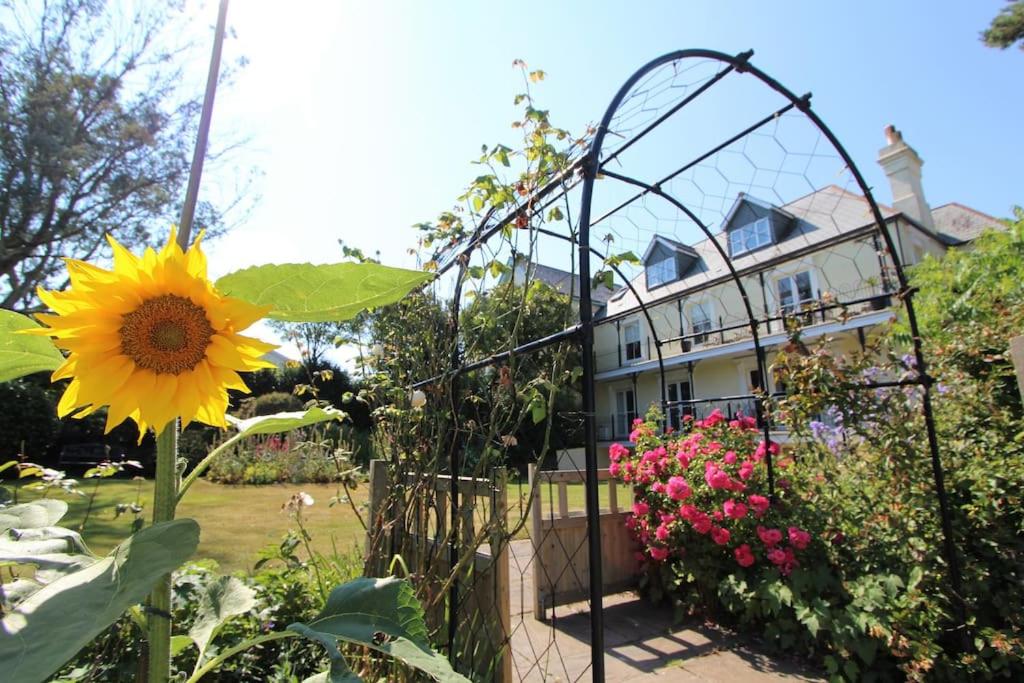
<point>631,337</point>
<point>794,291</point>
<point>625,413</point>
<point>679,391</point>
<point>661,271</point>
<point>700,322</point>
<point>751,236</point>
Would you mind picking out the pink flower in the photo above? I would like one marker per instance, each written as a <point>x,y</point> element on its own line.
<point>759,503</point>
<point>729,457</point>
<point>658,487</point>
<point>614,469</point>
<point>790,563</point>
<point>661,533</point>
<point>716,477</point>
<point>798,537</point>
<point>777,556</point>
<point>688,512</point>
<point>717,514</point>
<point>617,451</point>
<point>760,452</point>
<point>641,508</point>
<point>637,421</point>
<point>712,419</point>
<point>746,469</point>
<point>678,489</point>
<point>701,523</point>
<point>743,556</point>
<point>649,456</point>
<point>770,537</point>
<point>659,554</point>
<point>667,518</point>
<point>720,535</point>
<point>634,435</point>
<point>734,509</point>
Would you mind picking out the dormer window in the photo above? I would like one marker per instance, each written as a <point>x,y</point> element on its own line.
<point>750,237</point>
<point>662,271</point>
<point>667,261</point>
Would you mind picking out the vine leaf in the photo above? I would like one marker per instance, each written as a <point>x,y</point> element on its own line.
<point>50,626</point>
<point>382,614</point>
<point>24,354</point>
<point>303,292</point>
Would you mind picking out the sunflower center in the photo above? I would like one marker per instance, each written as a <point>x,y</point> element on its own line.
<point>167,334</point>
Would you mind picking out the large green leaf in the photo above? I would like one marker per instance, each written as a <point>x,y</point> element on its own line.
<point>38,513</point>
<point>220,600</point>
<point>46,629</point>
<point>23,354</point>
<point>285,422</point>
<point>382,614</point>
<point>303,292</point>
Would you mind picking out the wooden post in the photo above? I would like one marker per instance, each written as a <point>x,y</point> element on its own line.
<point>1017,354</point>
<point>378,490</point>
<point>536,540</point>
<point>500,558</point>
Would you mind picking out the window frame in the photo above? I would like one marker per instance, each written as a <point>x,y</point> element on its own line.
<point>740,237</point>
<point>672,276</point>
<point>706,308</point>
<point>627,344</point>
<point>797,303</point>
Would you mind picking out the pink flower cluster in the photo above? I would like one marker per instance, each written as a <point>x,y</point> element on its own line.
<point>700,490</point>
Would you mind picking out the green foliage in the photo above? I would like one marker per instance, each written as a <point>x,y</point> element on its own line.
<point>24,354</point>
<point>303,292</point>
<point>1007,27</point>
<point>382,614</point>
<point>97,133</point>
<point>28,420</point>
<point>268,404</point>
<point>50,625</point>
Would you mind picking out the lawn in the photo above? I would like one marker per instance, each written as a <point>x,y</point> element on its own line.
<point>238,521</point>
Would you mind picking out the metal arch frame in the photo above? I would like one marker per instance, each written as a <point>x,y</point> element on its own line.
<point>593,165</point>
<point>584,171</point>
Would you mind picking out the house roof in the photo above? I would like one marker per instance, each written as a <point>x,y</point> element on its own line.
<point>957,223</point>
<point>822,215</point>
<point>564,282</point>
<point>671,244</point>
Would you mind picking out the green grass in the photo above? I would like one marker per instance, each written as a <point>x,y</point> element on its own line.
<point>238,521</point>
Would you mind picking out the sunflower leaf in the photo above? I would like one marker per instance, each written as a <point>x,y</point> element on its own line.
<point>279,423</point>
<point>23,354</point>
<point>47,628</point>
<point>303,292</point>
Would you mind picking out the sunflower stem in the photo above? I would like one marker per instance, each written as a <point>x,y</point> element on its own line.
<point>165,500</point>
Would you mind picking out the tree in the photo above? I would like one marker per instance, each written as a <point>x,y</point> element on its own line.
<point>1007,27</point>
<point>95,134</point>
<point>313,339</point>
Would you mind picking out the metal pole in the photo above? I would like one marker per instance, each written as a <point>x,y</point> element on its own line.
<point>188,210</point>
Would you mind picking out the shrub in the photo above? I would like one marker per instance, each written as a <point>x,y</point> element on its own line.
<point>268,404</point>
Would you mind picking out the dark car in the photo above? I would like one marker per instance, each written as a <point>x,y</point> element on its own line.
<point>77,455</point>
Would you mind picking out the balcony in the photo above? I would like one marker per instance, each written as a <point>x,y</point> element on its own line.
<point>827,308</point>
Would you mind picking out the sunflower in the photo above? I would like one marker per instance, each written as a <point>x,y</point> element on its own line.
<point>151,339</point>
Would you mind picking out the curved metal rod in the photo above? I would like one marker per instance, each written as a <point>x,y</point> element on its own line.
<point>629,285</point>
<point>906,296</point>
<point>752,320</point>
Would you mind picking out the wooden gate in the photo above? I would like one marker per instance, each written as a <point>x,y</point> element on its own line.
<point>417,528</point>
<point>561,572</point>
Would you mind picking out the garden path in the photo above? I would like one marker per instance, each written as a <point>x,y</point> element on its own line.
<point>641,643</point>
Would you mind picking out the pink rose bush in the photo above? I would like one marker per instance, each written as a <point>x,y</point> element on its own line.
<point>702,497</point>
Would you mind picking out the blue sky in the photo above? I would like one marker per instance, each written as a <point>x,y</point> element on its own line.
<point>364,116</point>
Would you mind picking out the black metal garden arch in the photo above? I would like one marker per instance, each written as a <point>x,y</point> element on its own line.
<point>584,175</point>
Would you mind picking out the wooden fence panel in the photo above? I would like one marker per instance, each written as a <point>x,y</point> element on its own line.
<point>561,571</point>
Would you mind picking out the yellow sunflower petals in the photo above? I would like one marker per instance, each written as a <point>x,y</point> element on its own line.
<point>69,400</point>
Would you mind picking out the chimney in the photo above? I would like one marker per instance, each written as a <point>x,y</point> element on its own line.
<point>903,168</point>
